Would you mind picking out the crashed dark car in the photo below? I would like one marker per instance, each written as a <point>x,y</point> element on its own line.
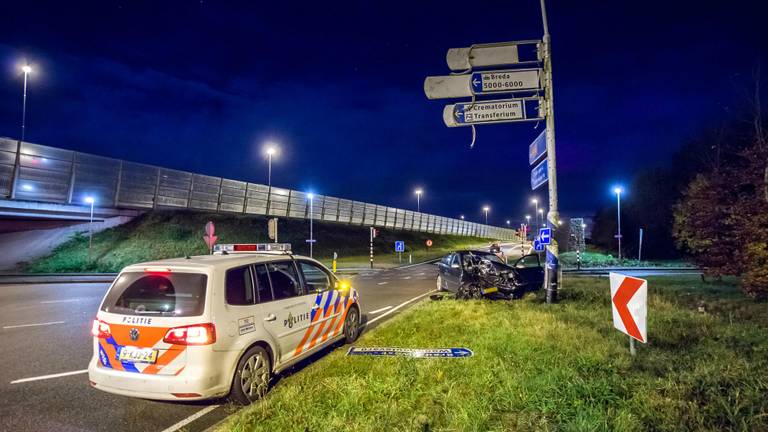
<point>461,272</point>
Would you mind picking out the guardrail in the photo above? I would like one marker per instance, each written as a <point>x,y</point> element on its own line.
<point>35,172</point>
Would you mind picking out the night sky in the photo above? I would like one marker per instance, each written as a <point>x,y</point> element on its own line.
<point>201,85</point>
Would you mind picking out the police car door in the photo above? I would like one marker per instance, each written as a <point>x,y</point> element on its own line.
<point>285,311</point>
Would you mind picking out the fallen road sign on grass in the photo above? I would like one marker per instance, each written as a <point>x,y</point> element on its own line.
<point>629,302</point>
<point>410,352</point>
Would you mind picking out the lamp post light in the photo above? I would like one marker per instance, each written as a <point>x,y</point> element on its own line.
<point>509,222</point>
<point>618,190</point>
<point>27,69</point>
<point>418,193</point>
<point>535,201</point>
<point>311,197</point>
<point>461,217</point>
<point>270,151</point>
<point>90,200</point>
<point>527,224</point>
<point>486,209</point>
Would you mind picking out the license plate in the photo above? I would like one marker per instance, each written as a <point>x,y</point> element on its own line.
<point>490,290</point>
<point>137,355</point>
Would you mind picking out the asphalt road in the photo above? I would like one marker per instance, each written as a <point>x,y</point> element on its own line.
<point>45,335</point>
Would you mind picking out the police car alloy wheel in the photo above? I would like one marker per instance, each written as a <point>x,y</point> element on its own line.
<point>352,325</point>
<point>252,376</point>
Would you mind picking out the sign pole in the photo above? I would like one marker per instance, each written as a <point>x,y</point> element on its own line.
<point>551,269</point>
<point>632,351</point>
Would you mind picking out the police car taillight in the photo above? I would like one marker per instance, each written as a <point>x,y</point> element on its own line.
<point>198,334</point>
<point>100,329</point>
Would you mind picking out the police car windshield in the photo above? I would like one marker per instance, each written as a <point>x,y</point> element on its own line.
<point>163,294</point>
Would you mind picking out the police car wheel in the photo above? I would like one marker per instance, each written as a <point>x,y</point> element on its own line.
<point>352,325</point>
<point>439,283</point>
<point>252,376</point>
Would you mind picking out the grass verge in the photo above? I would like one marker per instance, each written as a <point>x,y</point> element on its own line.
<point>600,259</point>
<point>542,367</point>
<point>169,234</point>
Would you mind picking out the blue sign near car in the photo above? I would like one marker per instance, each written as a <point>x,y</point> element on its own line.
<point>545,234</point>
<point>538,246</point>
<point>539,175</point>
<point>410,352</point>
<point>399,246</point>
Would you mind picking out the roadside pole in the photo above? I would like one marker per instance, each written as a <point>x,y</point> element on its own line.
<point>552,261</point>
<point>372,247</point>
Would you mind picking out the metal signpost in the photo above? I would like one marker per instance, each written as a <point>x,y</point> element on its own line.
<point>535,85</point>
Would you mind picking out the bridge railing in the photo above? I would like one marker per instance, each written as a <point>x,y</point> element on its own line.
<point>33,172</point>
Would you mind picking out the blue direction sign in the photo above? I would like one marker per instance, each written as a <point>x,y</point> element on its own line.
<point>410,352</point>
<point>539,175</point>
<point>538,246</point>
<point>399,246</point>
<point>545,234</point>
<point>537,148</point>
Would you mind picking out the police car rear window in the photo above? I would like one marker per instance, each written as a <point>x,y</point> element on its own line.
<point>153,294</point>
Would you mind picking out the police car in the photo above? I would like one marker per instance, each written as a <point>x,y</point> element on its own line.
<point>207,326</point>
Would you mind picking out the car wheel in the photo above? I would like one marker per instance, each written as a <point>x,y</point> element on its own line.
<point>252,376</point>
<point>440,283</point>
<point>352,325</point>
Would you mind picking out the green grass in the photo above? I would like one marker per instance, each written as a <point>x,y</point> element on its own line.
<point>600,259</point>
<point>542,367</point>
<point>168,234</point>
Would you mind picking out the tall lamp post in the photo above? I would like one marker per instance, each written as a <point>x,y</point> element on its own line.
<point>311,197</point>
<point>418,193</point>
<point>541,213</point>
<point>527,225</point>
<point>90,200</point>
<point>486,209</point>
<point>535,201</point>
<point>618,190</point>
<point>27,69</point>
<point>270,151</point>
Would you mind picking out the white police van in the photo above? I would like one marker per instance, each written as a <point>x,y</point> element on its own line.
<point>207,326</point>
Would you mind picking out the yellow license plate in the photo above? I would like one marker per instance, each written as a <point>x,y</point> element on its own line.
<point>490,290</point>
<point>137,355</point>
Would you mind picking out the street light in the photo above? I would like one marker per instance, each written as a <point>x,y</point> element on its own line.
<point>527,224</point>
<point>418,193</point>
<point>508,222</point>
<point>27,69</point>
<point>618,190</point>
<point>461,217</point>
<point>311,197</point>
<point>486,209</point>
<point>90,200</point>
<point>270,150</point>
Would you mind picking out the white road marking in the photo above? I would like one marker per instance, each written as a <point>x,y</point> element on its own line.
<point>33,325</point>
<point>191,418</point>
<point>380,310</point>
<point>417,264</point>
<point>68,300</point>
<point>399,306</point>
<point>406,278</point>
<point>45,377</point>
<point>382,283</point>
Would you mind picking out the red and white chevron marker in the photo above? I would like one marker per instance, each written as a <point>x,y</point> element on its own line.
<point>629,301</point>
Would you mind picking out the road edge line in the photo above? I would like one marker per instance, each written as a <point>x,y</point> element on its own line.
<point>176,426</point>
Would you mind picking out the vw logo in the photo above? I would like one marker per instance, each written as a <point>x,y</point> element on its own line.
<point>134,334</point>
